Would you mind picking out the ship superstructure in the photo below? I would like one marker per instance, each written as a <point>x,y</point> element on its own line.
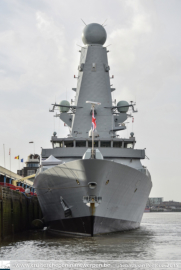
<point>84,193</point>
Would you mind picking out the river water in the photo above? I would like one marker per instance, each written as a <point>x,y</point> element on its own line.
<point>157,239</point>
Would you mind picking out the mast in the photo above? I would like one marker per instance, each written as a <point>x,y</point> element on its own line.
<point>93,83</point>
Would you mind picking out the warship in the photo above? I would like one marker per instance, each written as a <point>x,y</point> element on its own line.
<point>92,181</point>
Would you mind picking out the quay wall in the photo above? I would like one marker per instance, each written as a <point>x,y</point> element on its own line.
<point>17,211</point>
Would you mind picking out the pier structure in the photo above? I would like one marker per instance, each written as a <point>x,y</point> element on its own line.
<point>7,176</point>
<point>13,180</point>
<point>17,207</point>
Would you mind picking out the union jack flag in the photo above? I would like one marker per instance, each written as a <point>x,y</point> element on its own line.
<point>93,121</point>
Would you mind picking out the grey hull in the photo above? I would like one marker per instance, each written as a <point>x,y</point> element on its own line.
<point>124,196</point>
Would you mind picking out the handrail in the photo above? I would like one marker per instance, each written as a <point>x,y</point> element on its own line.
<point>21,189</point>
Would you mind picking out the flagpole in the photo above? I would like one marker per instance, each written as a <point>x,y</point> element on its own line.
<point>132,123</point>
<point>4,155</point>
<point>10,159</point>
<point>93,126</point>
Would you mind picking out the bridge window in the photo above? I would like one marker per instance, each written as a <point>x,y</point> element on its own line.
<point>105,144</point>
<point>57,144</point>
<point>117,144</point>
<point>30,172</point>
<point>32,165</point>
<point>95,144</point>
<point>81,144</point>
<point>128,145</point>
<point>68,143</point>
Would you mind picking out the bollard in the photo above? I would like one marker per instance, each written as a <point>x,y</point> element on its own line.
<point>37,224</point>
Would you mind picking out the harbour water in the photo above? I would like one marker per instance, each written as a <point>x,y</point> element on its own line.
<point>158,238</point>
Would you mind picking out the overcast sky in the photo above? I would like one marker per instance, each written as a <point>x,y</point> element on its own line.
<point>39,57</point>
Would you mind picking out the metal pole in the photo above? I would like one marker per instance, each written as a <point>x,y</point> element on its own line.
<point>4,155</point>
<point>92,134</point>
<point>4,180</point>
<point>10,159</point>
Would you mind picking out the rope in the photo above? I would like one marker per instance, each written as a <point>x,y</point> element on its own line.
<point>26,196</point>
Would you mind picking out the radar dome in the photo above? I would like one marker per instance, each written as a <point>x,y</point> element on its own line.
<point>64,103</point>
<point>94,33</point>
<point>123,109</point>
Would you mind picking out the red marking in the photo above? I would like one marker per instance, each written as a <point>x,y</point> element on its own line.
<point>21,189</point>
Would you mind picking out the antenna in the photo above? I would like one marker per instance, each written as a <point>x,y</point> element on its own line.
<point>108,45</point>
<point>104,22</point>
<point>83,22</point>
<point>79,45</point>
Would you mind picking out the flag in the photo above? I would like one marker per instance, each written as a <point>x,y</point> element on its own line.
<point>9,151</point>
<point>93,121</point>
<point>133,120</point>
<point>22,160</point>
<point>16,157</point>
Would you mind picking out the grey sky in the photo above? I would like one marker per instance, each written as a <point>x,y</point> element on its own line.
<point>39,57</point>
